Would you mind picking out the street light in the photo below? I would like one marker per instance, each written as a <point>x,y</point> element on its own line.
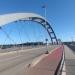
<point>45,11</point>
<point>45,14</point>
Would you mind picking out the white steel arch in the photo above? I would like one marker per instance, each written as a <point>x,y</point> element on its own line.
<point>8,18</point>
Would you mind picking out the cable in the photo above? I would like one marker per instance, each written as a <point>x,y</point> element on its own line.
<point>20,39</point>
<point>26,32</point>
<point>7,35</point>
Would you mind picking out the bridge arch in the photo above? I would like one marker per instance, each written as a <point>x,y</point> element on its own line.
<point>14,17</point>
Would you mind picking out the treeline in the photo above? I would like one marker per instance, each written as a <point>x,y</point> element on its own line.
<point>69,43</point>
<point>22,45</point>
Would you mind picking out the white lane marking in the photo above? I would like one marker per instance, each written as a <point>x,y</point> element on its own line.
<point>37,60</point>
<point>64,69</point>
<point>64,65</point>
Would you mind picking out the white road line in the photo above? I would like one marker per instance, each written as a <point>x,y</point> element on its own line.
<point>64,69</point>
<point>37,60</point>
<point>64,65</point>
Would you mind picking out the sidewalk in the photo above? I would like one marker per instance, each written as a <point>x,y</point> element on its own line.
<point>69,61</point>
<point>48,65</point>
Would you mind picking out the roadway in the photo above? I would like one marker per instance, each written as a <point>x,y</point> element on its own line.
<point>15,62</point>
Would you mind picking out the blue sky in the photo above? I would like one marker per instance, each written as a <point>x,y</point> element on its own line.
<point>60,13</point>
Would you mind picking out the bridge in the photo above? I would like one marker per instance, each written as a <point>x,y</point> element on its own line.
<point>46,59</point>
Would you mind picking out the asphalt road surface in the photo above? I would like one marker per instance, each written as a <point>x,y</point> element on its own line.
<point>15,62</point>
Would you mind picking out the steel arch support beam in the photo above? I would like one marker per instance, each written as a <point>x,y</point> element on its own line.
<point>13,17</point>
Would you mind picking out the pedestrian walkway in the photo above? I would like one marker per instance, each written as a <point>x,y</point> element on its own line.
<point>48,65</point>
<point>69,61</point>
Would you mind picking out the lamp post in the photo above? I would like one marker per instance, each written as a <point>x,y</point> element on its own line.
<point>45,11</point>
<point>45,14</point>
